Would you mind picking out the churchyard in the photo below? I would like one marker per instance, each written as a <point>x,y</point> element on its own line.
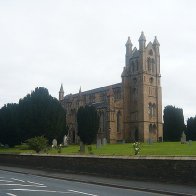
<point>154,149</point>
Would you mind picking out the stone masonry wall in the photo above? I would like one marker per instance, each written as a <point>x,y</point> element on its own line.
<point>170,169</point>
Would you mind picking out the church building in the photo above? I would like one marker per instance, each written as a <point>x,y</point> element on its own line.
<point>130,110</point>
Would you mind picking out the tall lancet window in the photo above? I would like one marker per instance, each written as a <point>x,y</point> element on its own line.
<point>133,67</point>
<point>149,64</point>
<point>118,117</point>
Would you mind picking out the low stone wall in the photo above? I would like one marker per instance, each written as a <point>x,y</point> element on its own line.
<point>170,169</point>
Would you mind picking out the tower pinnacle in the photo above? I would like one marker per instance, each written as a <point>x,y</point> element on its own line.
<point>61,89</point>
<point>156,43</point>
<point>142,41</point>
<point>129,42</point>
<point>128,50</point>
<point>61,93</point>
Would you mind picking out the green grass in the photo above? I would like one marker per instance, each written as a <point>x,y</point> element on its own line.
<point>158,149</point>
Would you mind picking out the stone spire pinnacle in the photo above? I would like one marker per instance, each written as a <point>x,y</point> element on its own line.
<point>142,37</point>
<point>61,93</point>
<point>142,41</point>
<point>128,51</point>
<point>156,43</point>
<point>61,89</point>
<point>128,42</point>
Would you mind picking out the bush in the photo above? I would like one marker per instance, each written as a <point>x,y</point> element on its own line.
<point>38,144</point>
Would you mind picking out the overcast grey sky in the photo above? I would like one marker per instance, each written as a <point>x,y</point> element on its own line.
<point>82,43</point>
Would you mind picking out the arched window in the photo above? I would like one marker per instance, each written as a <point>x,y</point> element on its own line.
<point>154,129</point>
<point>102,121</point>
<point>137,65</point>
<point>149,64</point>
<point>134,80</point>
<point>136,135</point>
<point>150,52</point>
<point>150,109</point>
<point>118,118</point>
<point>133,67</point>
<point>151,80</point>
<point>150,129</point>
<point>153,65</point>
<point>154,109</point>
<point>135,93</point>
<point>152,68</point>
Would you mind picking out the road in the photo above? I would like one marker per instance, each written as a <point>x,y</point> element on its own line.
<point>17,184</point>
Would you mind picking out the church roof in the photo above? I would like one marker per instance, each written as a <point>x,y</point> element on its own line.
<point>96,90</point>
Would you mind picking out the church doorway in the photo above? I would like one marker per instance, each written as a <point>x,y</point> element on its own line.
<point>136,135</point>
<point>152,132</point>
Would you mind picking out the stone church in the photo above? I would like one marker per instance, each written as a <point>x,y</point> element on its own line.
<point>130,110</point>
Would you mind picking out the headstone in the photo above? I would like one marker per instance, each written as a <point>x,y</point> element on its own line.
<point>190,142</point>
<point>54,143</point>
<point>65,141</point>
<point>104,141</point>
<point>183,138</point>
<point>160,139</point>
<point>82,147</point>
<point>98,143</point>
<point>149,141</point>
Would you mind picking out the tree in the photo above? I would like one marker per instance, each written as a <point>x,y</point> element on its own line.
<point>173,123</point>
<point>9,130</point>
<point>191,128</point>
<point>36,114</point>
<point>88,124</point>
<point>38,144</point>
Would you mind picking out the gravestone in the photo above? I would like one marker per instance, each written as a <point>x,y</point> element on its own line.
<point>104,141</point>
<point>54,143</point>
<point>149,141</point>
<point>65,141</point>
<point>183,138</point>
<point>98,143</point>
<point>190,142</point>
<point>82,147</point>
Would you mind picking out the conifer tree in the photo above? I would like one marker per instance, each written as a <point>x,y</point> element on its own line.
<point>88,124</point>
<point>173,123</point>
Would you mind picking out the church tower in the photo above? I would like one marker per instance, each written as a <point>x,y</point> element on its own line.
<point>141,90</point>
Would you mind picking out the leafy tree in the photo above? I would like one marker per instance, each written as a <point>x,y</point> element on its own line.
<point>173,123</point>
<point>88,124</point>
<point>38,144</point>
<point>191,128</point>
<point>36,114</point>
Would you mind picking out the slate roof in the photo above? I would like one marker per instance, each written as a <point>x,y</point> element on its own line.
<point>93,91</point>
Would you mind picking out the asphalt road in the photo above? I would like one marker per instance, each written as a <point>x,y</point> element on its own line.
<point>17,184</point>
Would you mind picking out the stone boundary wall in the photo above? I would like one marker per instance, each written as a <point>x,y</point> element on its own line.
<point>170,169</point>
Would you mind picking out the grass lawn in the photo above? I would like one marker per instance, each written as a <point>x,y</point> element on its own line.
<point>165,148</point>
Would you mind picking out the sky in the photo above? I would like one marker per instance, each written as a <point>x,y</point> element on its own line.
<point>44,43</point>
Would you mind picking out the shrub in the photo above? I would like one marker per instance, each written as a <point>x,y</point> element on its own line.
<point>38,144</point>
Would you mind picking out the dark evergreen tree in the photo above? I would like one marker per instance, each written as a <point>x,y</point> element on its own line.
<point>37,114</point>
<point>9,129</point>
<point>191,128</point>
<point>88,124</point>
<point>173,123</point>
